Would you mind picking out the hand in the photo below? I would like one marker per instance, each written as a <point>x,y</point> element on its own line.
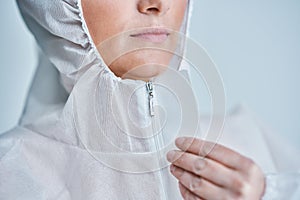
<point>211,171</point>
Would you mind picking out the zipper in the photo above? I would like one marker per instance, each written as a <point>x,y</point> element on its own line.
<point>158,140</point>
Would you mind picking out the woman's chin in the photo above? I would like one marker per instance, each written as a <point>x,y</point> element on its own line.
<point>133,67</point>
<point>145,72</point>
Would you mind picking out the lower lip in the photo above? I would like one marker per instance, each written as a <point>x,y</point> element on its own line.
<point>150,37</point>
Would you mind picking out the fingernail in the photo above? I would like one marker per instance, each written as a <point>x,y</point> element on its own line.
<point>170,155</point>
<point>180,141</point>
<point>178,172</point>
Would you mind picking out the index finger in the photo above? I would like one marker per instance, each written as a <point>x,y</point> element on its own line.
<point>211,150</point>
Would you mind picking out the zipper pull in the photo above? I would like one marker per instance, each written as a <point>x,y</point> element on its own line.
<point>149,87</point>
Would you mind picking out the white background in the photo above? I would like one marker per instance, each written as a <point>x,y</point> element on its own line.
<point>256,45</point>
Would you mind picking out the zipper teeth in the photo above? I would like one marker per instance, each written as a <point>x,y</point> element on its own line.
<point>149,86</point>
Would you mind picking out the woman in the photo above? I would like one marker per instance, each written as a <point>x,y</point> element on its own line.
<point>68,143</point>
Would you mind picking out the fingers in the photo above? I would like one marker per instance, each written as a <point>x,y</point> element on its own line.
<point>196,187</point>
<point>206,168</point>
<point>209,174</point>
<point>213,151</point>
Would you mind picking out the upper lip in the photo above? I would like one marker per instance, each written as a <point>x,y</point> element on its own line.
<point>151,31</point>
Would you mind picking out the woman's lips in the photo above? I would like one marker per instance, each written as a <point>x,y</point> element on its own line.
<point>152,35</point>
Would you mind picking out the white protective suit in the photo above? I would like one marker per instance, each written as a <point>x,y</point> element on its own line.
<point>62,147</point>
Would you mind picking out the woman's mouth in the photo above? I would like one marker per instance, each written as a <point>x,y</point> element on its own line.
<point>154,35</point>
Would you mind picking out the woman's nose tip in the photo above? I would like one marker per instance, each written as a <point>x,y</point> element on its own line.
<point>154,7</point>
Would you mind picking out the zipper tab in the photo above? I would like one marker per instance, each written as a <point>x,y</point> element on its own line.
<point>149,87</point>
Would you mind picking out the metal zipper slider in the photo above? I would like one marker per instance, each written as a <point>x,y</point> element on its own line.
<point>149,87</point>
